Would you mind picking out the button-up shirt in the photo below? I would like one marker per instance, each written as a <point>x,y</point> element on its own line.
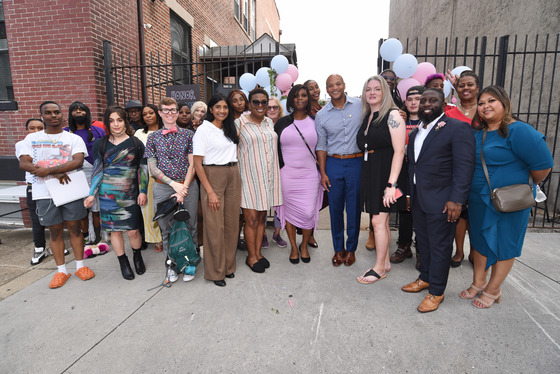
<point>171,152</point>
<point>337,128</point>
<point>421,136</point>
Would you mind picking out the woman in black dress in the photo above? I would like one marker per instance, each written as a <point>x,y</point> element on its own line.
<point>381,137</point>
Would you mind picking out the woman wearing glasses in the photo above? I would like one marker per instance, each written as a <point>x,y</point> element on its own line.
<point>260,174</point>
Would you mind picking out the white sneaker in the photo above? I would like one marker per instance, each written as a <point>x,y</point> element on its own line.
<point>172,275</point>
<point>188,278</point>
<point>38,255</point>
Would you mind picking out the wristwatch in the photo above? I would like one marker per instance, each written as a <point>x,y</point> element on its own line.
<point>391,185</point>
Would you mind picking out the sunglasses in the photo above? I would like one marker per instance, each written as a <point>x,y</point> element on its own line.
<point>389,78</point>
<point>261,103</point>
<point>273,107</point>
<point>168,111</point>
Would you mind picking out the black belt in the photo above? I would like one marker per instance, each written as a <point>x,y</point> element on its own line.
<point>228,164</point>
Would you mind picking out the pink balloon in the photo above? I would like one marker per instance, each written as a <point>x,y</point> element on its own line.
<point>423,70</point>
<point>405,84</point>
<point>293,71</point>
<point>283,81</point>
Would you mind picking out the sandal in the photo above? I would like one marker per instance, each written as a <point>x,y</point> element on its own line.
<point>370,273</point>
<point>482,304</point>
<point>159,247</point>
<point>465,294</point>
<point>58,280</point>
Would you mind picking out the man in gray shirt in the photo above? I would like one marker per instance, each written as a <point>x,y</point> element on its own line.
<point>340,163</point>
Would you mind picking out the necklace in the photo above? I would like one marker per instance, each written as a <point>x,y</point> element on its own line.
<point>56,139</point>
<point>466,110</point>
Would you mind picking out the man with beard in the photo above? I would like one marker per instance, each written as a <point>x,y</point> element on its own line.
<point>441,154</point>
<point>81,124</point>
<point>53,153</point>
<point>134,110</point>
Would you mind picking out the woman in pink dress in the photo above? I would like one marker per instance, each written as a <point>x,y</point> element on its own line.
<point>302,192</point>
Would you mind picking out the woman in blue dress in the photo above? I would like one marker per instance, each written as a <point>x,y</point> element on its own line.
<point>513,150</point>
<point>120,179</point>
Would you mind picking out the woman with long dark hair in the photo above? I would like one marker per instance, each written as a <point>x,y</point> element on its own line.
<point>150,122</point>
<point>302,192</point>
<point>215,161</point>
<point>120,180</point>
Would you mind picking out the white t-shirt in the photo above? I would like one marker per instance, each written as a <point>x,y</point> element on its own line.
<point>50,150</point>
<point>210,142</point>
<point>28,175</point>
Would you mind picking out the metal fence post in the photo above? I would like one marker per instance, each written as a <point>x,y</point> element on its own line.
<point>482,60</point>
<point>107,70</point>
<point>502,61</point>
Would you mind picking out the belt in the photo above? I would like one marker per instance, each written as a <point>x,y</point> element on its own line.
<point>352,155</point>
<point>160,182</point>
<point>228,164</point>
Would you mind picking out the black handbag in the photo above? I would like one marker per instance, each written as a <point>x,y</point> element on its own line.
<point>512,198</point>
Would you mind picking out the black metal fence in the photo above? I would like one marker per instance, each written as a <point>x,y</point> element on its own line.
<point>528,68</point>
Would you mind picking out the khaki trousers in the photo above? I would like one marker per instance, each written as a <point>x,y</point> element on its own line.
<point>221,228</point>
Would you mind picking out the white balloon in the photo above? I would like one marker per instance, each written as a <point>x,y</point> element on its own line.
<point>459,69</point>
<point>263,79</point>
<point>283,102</point>
<point>447,86</point>
<point>247,82</point>
<point>391,49</point>
<point>246,93</point>
<point>405,65</point>
<point>279,63</point>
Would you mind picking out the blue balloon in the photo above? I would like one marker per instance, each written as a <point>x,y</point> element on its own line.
<point>247,81</point>
<point>405,65</point>
<point>280,64</point>
<point>263,79</point>
<point>391,49</point>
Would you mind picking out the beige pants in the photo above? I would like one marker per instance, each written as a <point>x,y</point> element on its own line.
<point>221,228</point>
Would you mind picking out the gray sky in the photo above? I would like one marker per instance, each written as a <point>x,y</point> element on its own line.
<point>334,36</point>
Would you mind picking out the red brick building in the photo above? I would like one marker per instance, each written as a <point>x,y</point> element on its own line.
<point>53,50</point>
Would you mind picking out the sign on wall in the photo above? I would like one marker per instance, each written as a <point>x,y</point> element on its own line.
<point>188,93</point>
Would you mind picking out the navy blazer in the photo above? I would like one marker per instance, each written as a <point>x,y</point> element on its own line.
<point>445,166</point>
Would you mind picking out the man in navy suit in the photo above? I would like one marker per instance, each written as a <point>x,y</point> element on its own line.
<point>441,154</point>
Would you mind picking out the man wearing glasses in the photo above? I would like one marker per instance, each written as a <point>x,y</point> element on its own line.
<point>170,159</point>
<point>340,163</point>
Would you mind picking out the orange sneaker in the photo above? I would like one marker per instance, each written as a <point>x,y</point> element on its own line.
<point>58,280</point>
<point>85,273</point>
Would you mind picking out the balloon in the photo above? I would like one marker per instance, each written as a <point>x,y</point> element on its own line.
<point>247,81</point>
<point>246,93</point>
<point>263,79</point>
<point>283,81</point>
<point>293,71</point>
<point>405,84</point>
<point>405,65</point>
<point>283,102</point>
<point>424,70</point>
<point>459,69</point>
<point>447,86</point>
<point>279,63</point>
<point>390,49</point>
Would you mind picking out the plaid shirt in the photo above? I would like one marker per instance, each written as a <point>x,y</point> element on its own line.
<point>171,152</point>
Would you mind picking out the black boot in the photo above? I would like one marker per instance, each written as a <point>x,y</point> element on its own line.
<point>125,267</point>
<point>138,261</point>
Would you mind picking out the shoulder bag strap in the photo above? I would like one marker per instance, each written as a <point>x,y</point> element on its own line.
<point>305,141</point>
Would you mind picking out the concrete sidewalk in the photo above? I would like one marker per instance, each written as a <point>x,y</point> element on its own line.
<point>333,324</point>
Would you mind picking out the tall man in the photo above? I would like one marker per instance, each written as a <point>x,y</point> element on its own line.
<point>340,163</point>
<point>441,155</point>
<point>170,159</point>
<point>53,153</point>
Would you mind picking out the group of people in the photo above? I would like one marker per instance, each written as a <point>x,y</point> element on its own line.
<point>376,154</point>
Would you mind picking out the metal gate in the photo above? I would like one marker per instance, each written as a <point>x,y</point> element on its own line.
<point>527,67</point>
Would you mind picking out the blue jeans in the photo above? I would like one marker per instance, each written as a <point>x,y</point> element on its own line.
<point>344,176</point>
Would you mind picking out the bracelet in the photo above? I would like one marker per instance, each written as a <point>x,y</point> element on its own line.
<point>392,185</point>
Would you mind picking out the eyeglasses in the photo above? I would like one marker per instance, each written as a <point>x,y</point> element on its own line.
<point>257,103</point>
<point>169,111</point>
<point>272,107</point>
<point>389,78</point>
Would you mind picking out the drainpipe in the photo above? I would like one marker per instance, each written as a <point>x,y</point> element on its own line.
<point>142,52</point>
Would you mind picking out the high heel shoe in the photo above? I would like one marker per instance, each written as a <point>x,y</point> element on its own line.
<point>304,259</point>
<point>465,294</point>
<point>482,304</point>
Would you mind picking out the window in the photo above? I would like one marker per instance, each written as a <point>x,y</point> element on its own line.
<point>246,15</point>
<point>180,50</point>
<point>237,9</point>
<point>6,88</point>
<point>253,19</point>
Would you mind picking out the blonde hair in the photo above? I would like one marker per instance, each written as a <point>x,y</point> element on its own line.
<point>280,107</point>
<point>387,103</point>
<point>199,104</point>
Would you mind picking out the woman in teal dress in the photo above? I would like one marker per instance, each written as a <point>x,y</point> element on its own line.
<point>119,177</point>
<point>513,150</point>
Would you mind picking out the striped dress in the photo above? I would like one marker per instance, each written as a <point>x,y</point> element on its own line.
<point>258,164</point>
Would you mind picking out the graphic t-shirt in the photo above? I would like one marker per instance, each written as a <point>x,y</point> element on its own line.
<point>48,150</point>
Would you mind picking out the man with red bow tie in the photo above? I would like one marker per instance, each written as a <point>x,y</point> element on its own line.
<point>170,159</point>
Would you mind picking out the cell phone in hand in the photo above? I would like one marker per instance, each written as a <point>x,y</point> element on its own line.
<point>398,193</point>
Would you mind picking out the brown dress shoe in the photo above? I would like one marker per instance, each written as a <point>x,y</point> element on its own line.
<point>338,258</point>
<point>350,258</point>
<point>416,286</point>
<point>430,303</point>
<point>402,253</point>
